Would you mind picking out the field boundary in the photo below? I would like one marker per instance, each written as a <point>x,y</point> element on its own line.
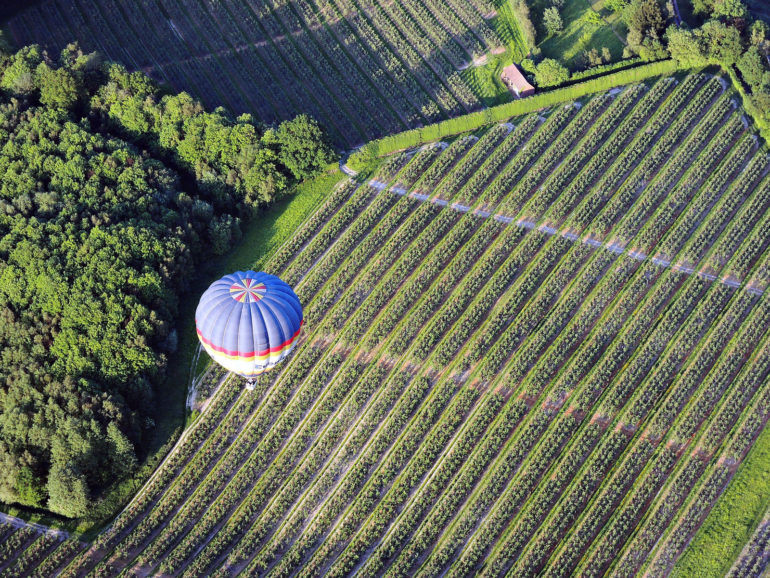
<point>505,111</point>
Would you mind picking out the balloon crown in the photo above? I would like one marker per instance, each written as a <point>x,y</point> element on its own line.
<point>247,290</point>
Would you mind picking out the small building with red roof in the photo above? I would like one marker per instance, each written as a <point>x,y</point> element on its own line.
<point>515,81</point>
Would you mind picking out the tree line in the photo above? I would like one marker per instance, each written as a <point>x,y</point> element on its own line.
<point>720,32</point>
<point>113,190</point>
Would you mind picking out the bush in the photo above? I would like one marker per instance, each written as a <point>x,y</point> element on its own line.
<point>552,20</point>
<point>551,72</point>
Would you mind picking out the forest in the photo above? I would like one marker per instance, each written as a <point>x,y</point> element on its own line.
<point>114,189</point>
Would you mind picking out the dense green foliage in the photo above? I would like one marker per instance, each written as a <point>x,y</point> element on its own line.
<point>734,517</point>
<point>551,72</point>
<point>731,39</point>
<point>112,192</point>
<point>646,25</point>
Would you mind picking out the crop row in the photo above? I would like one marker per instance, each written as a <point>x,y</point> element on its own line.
<point>363,489</point>
<point>374,414</point>
<point>360,198</point>
<point>510,175</point>
<point>684,184</point>
<point>430,178</point>
<point>454,181</point>
<point>360,121</point>
<point>435,296</point>
<point>581,152</point>
<point>358,73</point>
<point>604,292</point>
<point>609,156</point>
<point>498,160</point>
<point>634,153</point>
<point>436,59</point>
<point>327,425</point>
<point>639,408</point>
<point>464,293</point>
<point>201,523</point>
<point>358,257</point>
<point>526,186</point>
<point>368,285</point>
<point>359,237</point>
<point>424,158</point>
<point>666,143</point>
<point>546,446</point>
<point>15,543</point>
<point>310,228</point>
<point>703,362</point>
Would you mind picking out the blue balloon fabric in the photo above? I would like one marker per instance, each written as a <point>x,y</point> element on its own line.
<point>249,321</point>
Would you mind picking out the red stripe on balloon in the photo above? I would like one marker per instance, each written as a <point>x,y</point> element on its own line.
<point>251,353</point>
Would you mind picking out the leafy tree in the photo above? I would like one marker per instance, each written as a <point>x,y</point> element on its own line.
<point>529,65</point>
<point>264,181</point>
<point>752,68</point>
<point>19,74</point>
<point>722,42</point>
<point>730,9</point>
<point>703,6</point>
<point>59,88</point>
<point>551,72</point>
<point>29,489</point>
<point>68,492</point>
<point>121,451</point>
<point>685,46</point>
<point>552,20</point>
<point>593,57</point>
<point>759,33</point>
<point>646,25</point>
<point>616,5</point>
<point>303,148</point>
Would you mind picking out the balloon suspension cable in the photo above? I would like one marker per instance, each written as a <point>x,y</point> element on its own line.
<point>251,383</point>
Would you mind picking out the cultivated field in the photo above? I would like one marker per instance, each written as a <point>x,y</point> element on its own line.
<point>361,69</point>
<point>25,550</point>
<point>541,348</point>
<point>756,554</point>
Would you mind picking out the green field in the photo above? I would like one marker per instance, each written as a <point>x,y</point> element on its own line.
<point>718,544</point>
<point>536,334</point>
<point>587,25</point>
<point>541,358</point>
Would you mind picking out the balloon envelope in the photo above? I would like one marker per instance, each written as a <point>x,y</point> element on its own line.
<point>248,322</point>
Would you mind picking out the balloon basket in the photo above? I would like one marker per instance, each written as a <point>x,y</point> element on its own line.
<point>251,384</point>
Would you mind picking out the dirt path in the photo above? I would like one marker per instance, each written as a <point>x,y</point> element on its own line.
<point>568,234</point>
<point>19,523</point>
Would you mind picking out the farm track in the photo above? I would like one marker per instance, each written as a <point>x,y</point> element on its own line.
<point>568,234</point>
<point>539,350</point>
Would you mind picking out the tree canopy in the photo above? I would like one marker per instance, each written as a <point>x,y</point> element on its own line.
<point>729,38</point>
<point>113,191</point>
<point>550,72</point>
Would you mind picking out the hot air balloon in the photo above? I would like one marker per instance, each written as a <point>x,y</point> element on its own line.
<point>248,322</point>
